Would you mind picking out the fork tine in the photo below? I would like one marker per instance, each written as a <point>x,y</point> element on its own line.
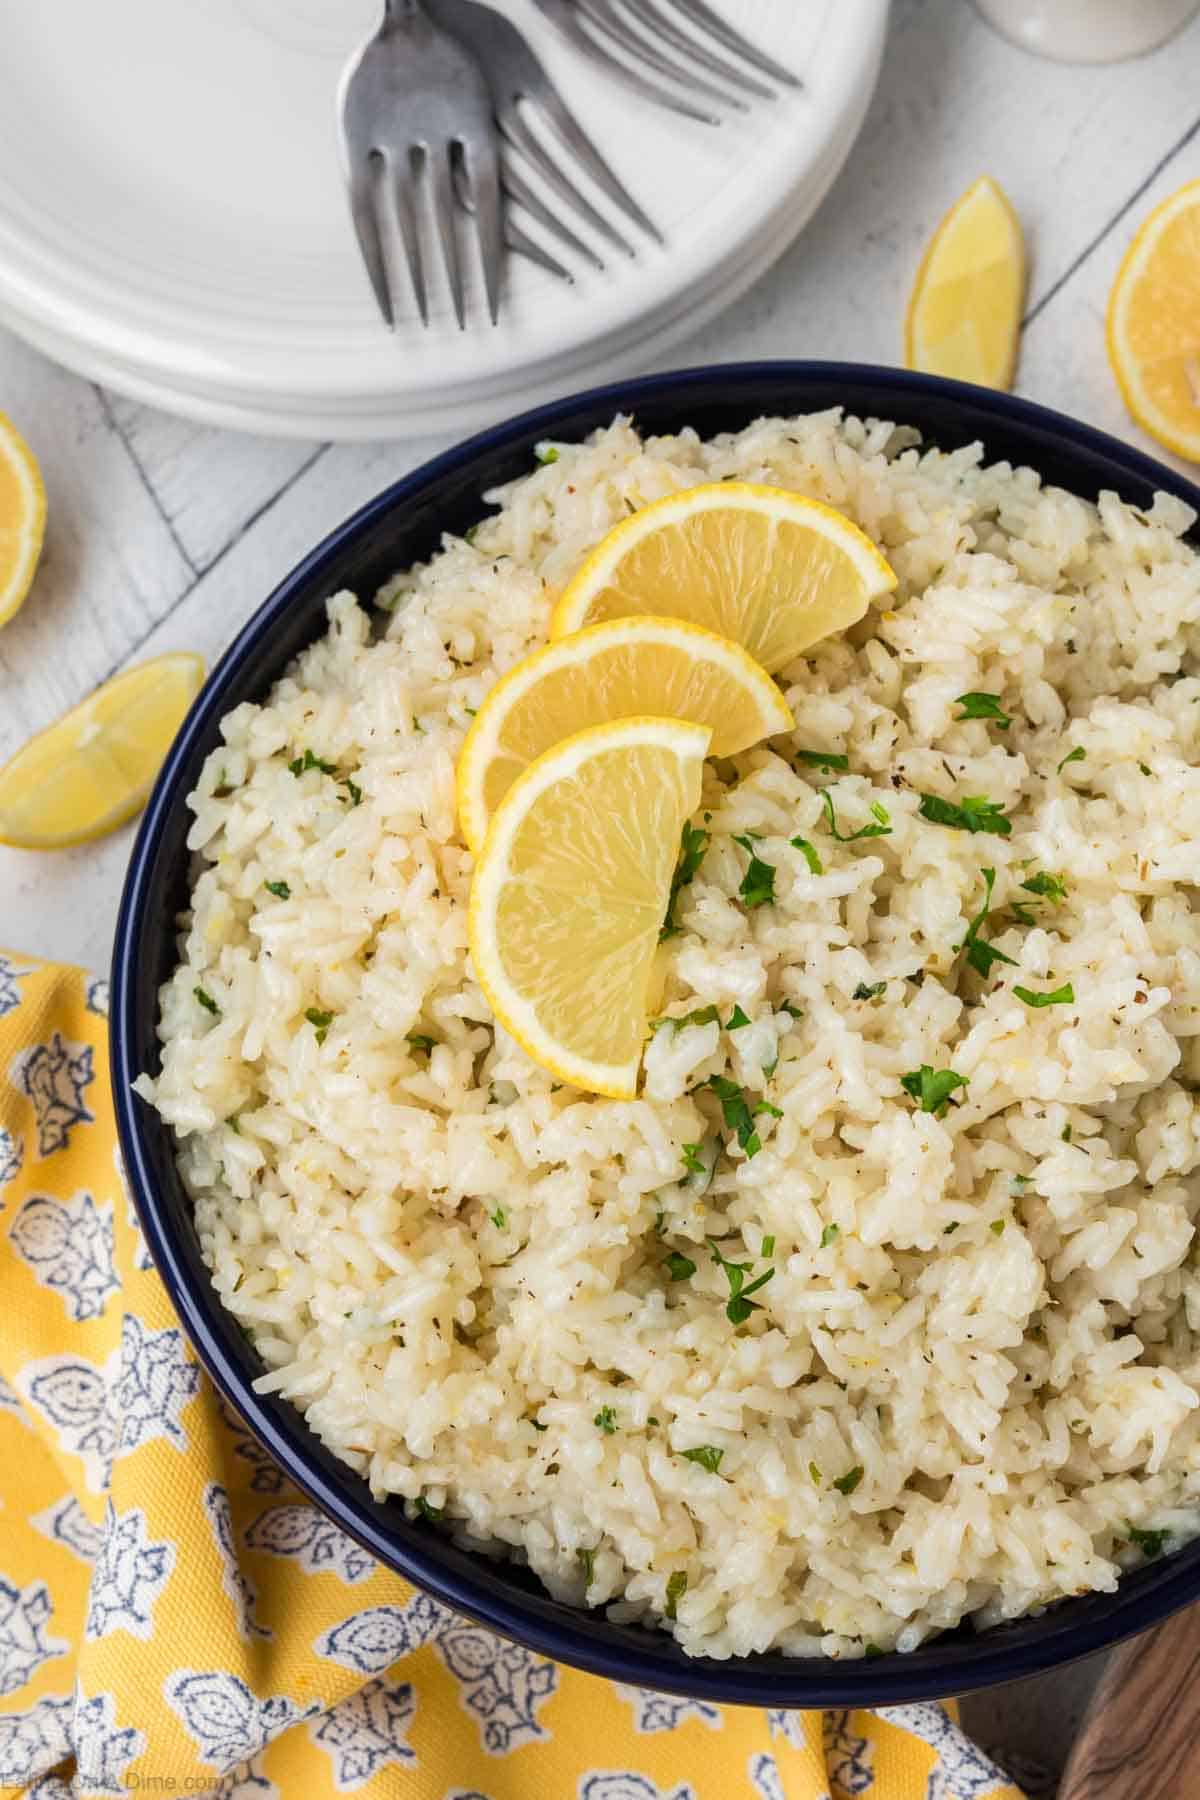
<point>519,190</point>
<point>519,134</point>
<point>523,245</point>
<point>405,196</point>
<point>659,20</point>
<point>437,164</point>
<point>482,167</point>
<point>515,239</point>
<point>361,184</point>
<point>568,23</point>
<point>601,15</point>
<point>704,16</point>
<point>578,141</point>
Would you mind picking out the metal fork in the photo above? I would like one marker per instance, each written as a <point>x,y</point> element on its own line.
<point>644,29</point>
<point>414,103</point>
<point>516,78</point>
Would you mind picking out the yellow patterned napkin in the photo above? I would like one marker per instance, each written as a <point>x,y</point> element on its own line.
<point>176,1618</point>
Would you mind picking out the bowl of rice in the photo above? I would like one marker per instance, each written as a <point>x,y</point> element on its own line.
<point>933,1098</point>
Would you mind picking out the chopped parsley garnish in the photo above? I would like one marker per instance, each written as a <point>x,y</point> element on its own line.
<point>846,1484</point>
<point>932,1088</point>
<point>707,1455</point>
<point>739,1306</point>
<point>680,1267</point>
<point>881,828</point>
<point>500,1219</point>
<point>1059,996</point>
<point>816,866</point>
<point>1075,755</point>
<point>951,1228</point>
<point>975,812</point>
<point>1066,1134</point>
<point>814,1474</point>
<point>793,1012</point>
<point>302,764</point>
<point>701,1015</point>
<point>693,1162</point>
<point>830,1235</point>
<point>538,1426</point>
<point>432,1513</point>
<point>736,1020</point>
<point>207,1002</point>
<point>472,532</point>
<point>546,454</point>
<point>353,790</point>
<point>983,706</point>
<point>869,990</point>
<point>606,1420</point>
<point>693,844</point>
<point>1145,768</point>
<point>997,1225</point>
<point>758,883</point>
<point>981,955</point>
<point>1050,887</point>
<point>1022,911</point>
<point>676,1589</point>
<point>587,1562</point>
<point>739,1114</point>
<point>768,1247</point>
<point>420,1041</point>
<point>234,1124</point>
<point>822,759</point>
<point>280,889</point>
<point>321,1020</point>
<point>871,1651</point>
<point>472,712</point>
<point>1150,1543</point>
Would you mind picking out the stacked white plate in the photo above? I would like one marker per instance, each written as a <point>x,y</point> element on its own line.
<point>172,219</point>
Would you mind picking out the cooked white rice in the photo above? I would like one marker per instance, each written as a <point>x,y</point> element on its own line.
<point>976,1365</point>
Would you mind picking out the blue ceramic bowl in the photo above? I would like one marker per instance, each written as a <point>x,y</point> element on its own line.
<point>402,526</point>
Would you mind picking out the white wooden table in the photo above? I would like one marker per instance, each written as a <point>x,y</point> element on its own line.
<point>164,535</point>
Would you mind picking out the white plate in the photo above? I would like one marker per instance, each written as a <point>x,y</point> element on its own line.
<point>371,417</point>
<point>172,220</point>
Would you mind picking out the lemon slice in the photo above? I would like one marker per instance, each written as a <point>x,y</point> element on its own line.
<point>625,668</point>
<point>22,518</point>
<point>964,317</point>
<point>770,569</point>
<point>1154,324</point>
<point>94,768</point>
<point>572,888</point>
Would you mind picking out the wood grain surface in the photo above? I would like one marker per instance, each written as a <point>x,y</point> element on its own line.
<point>1139,1740</point>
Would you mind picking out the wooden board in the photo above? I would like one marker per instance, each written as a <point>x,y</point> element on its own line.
<point>1139,1739</point>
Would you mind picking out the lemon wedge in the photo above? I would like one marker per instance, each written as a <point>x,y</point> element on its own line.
<point>624,668</point>
<point>1154,324</point>
<point>571,890</point>
<point>964,317</point>
<point>770,569</point>
<point>22,518</point>
<point>94,768</point>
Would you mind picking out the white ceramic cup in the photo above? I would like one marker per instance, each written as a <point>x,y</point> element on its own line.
<point>1088,31</point>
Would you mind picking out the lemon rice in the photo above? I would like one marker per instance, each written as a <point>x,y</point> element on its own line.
<point>876,1307</point>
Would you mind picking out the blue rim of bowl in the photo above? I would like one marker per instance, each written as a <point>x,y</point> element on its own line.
<point>954,1662</point>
